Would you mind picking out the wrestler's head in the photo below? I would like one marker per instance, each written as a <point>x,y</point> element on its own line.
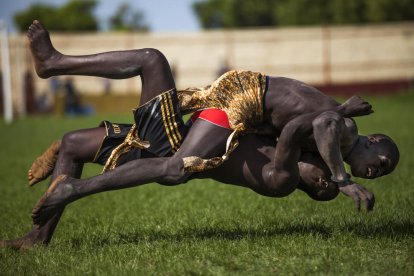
<point>315,178</point>
<point>373,156</point>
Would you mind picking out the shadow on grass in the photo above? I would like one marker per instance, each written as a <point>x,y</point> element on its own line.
<point>226,234</point>
<point>207,233</point>
<point>387,229</point>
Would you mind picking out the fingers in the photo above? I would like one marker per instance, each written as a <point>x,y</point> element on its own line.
<point>369,204</point>
<point>370,201</point>
<point>367,197</point>
<point>359,194</point>
<point>357,200</point>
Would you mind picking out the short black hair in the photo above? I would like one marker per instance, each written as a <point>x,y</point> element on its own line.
<point>393,150</point>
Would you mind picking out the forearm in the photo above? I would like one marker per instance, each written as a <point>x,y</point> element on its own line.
<point>327,131</point>
<point>293,135</point>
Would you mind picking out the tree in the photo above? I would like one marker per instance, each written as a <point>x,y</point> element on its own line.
<point>234,13</point>
<point>75,15</point>
<point>127,19</point>
<point>253,13</point>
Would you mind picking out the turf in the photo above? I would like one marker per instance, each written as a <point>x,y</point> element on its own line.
<point>208,228</point>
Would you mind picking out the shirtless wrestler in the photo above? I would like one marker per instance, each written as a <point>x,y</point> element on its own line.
<point>284,100</point>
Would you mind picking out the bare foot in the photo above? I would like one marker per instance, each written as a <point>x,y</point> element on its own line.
<point>57,196</point>
<point>43,166</point>
<point>42,49</point>
<point>22,243</point>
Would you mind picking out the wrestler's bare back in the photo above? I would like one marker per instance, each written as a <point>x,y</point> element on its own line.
<point>287,98</point>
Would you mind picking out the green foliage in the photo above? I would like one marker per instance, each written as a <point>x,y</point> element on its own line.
<point>75,15</point>
<point>253,13</point>
<point>207,228</point>
<point>126,19</point>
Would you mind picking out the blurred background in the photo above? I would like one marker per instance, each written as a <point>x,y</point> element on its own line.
<point>343,47</point>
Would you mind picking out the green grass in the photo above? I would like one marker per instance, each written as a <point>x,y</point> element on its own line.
<point>208,228</point>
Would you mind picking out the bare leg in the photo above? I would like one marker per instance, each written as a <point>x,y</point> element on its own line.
<point>77,148</point>
<point>148,63</point>
<point>138,172</point>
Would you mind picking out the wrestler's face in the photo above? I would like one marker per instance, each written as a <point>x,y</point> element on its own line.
<point>375,156</point>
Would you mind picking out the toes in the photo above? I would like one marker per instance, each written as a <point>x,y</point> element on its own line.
<point>39,25</point>
<point>35,22</point>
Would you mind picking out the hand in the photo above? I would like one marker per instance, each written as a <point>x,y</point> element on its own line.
<point>359,193</point>
<point>355,106</point>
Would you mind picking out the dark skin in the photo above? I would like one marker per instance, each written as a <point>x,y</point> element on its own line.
<point>285,101</point>
<point>334,136</point>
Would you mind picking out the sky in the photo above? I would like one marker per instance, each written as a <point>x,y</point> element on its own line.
<point>160,15</point>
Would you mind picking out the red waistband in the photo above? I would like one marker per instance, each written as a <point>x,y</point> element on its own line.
<point>212,115</point>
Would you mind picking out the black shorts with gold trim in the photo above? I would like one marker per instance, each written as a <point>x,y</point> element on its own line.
<point>158,121</point>
<point>115,135</point>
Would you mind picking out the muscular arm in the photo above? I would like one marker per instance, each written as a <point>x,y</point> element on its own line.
<point>331,132</point>
<point>328,131</point>
<point>282,175</point>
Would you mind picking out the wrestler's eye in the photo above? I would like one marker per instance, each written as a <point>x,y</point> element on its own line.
<point>384,163</point>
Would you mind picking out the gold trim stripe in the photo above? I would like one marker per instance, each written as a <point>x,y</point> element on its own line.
<point>174,123</point>
<point>171,121</point>
<point>167,130</point>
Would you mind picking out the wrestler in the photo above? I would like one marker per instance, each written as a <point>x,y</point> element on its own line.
<point>284,99</point>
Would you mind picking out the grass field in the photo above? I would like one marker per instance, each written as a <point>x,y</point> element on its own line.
<point>208,228</point>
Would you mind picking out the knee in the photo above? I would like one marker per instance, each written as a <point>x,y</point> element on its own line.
<point>175,173</point>
<point>154,56</point>
<point>69,144</point>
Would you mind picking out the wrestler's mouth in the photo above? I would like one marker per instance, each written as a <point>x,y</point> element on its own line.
<point>372,173</point>
<point>369,172</point>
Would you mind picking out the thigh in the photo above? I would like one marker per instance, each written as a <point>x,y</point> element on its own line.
<point>156,75</point>
<point>205,140</point>
<point>82,145</point>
